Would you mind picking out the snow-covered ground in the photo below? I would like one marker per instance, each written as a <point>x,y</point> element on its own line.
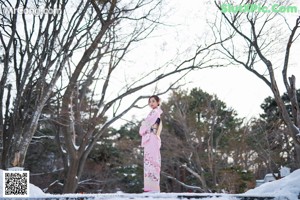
<point>287,188</point>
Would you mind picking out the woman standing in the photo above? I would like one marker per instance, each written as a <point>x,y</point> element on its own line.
<point>150,131</point>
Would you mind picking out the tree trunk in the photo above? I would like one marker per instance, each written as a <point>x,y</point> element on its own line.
<point>15,153</point>
<point>74,171</point>
<point>71,180</point>
<point>297,154</point>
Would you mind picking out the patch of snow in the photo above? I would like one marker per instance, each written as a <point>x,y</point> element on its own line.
<point>287,187</point>
<point>148,196</point>
<point>44,136</point>
<point>75,146</point>
<point>298,129</point>
<point>63,150</point>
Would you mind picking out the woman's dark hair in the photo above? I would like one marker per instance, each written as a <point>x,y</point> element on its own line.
<point>155,97</point>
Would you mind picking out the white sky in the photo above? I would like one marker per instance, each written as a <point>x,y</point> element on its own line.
<point>237,87</point>
<point>186,28</point>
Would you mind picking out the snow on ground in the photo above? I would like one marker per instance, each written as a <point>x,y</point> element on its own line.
<point>150,196</point>
<point>287,188</point>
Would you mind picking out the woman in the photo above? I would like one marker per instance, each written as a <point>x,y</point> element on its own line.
<point>150,131</point>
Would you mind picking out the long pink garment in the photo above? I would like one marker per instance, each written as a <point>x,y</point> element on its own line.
<point>152,158</point>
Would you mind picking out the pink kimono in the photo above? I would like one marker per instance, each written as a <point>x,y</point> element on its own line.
<point>152,160</point>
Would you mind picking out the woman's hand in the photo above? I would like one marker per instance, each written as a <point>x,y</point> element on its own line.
<point>154,128</point>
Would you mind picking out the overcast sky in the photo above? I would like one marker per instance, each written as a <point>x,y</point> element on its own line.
<point>237,87</point>
<point>186,28</point>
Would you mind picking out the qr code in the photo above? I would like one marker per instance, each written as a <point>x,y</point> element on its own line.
<point>16,183</point>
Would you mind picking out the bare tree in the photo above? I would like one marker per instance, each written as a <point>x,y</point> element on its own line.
<point>32,63</point>
<point>72,55</point>
<point>260,36</point>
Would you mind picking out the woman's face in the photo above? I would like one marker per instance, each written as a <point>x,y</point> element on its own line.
<point>153,103</point>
